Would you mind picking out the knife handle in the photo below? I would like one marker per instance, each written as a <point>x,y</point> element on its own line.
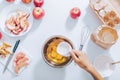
<point>16,45</point>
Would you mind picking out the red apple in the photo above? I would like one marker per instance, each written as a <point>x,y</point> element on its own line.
<point>75,12</point>
<point>38,3</point>
<point>26,1</point>
<point>38,13</point>
<point>10,0</point>
<point>0,35</point>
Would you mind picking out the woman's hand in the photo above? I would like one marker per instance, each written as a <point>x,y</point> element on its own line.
<point>82,60</point>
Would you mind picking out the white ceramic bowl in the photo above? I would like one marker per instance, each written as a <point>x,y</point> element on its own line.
<point>64,48</point>
<point>10,10</point>
<point>103,65</point>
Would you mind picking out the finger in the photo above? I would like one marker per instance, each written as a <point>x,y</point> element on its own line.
<point>82,52</point>
<point>74,57</point>
<point>77,53</point>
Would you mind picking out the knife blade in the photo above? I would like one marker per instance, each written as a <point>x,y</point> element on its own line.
<point>11,55</point>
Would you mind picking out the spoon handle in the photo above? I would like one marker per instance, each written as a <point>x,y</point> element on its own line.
<point>118,62</point>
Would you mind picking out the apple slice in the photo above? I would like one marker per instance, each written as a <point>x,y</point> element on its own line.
<point>20,61</point>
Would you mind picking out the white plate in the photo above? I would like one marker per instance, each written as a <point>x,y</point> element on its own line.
<point>103,65</point>
<point>10,10</point>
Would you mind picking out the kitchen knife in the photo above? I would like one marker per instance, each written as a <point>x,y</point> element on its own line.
<point>11,55</point>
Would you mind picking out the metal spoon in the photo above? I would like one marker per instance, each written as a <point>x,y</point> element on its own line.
<point>117,62</point>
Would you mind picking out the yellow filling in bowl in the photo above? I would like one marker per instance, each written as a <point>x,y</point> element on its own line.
<point>52,54</point>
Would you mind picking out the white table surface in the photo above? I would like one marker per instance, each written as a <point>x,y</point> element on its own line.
<point>57,22</point>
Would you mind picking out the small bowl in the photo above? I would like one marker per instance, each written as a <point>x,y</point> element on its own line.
<point>105,36</point>
<point>50,55</point>
<point>109,30</point>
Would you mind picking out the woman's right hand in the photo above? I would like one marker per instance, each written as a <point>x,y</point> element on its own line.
<point>81,59</point>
